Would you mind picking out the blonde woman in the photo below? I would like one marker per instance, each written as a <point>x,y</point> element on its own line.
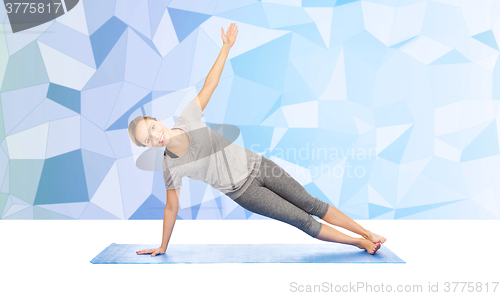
<point>253,181</point>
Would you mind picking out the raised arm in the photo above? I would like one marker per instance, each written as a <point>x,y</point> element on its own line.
<point>213,76</point>
<point>169,218</point>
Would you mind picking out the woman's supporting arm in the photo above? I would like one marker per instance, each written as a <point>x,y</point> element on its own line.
<point>170,215</point>
<point>169,218</point>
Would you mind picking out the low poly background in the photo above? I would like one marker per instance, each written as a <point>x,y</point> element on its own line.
<point>393,103</point>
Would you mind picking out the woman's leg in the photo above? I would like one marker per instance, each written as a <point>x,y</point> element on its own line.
<point>329,234</point>
<point>279,181</point>
<point>276,194</point>
<point>337,218</point>
<point>275,178</point>
<point>261,200</point>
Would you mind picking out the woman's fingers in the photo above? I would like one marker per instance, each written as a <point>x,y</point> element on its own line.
<point>153,252</point>
<point>232,28</point>
<point>145,251</point>
<point>230,35</point>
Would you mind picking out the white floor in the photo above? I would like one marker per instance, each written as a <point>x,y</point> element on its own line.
<point>53,257</point>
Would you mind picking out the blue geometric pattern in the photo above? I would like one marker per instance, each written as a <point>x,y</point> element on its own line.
<point>384,109</point>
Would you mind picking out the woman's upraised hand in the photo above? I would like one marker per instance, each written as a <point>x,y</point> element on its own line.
<point>153,252</point>
<point>230,35</point>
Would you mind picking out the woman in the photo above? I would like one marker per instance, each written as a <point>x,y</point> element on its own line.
<point>254,182</point>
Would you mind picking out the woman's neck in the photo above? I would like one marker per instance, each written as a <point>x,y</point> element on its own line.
<point>176,142</point>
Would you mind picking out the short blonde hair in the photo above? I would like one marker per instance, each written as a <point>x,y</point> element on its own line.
<point>133,126</point>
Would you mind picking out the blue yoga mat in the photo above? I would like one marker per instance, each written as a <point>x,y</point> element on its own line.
<point>244,253</point>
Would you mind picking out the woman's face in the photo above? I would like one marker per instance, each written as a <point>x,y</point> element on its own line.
<point>152,133</point>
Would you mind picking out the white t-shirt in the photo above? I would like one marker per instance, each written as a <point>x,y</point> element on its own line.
<point>210,157</point>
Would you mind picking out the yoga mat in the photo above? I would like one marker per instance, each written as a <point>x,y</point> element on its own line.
<point>244,253</point>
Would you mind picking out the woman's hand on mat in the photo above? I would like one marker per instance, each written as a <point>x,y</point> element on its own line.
<point>153,252</point>
<point>230,35</point>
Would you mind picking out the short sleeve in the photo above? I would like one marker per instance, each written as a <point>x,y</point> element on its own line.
<point>172,180</point>
<point>192,112</point>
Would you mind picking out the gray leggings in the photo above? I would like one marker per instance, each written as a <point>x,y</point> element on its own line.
<point>275,194</point>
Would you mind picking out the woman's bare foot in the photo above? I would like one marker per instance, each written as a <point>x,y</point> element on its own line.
<point>375,238</point>
<point>370,247</point>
